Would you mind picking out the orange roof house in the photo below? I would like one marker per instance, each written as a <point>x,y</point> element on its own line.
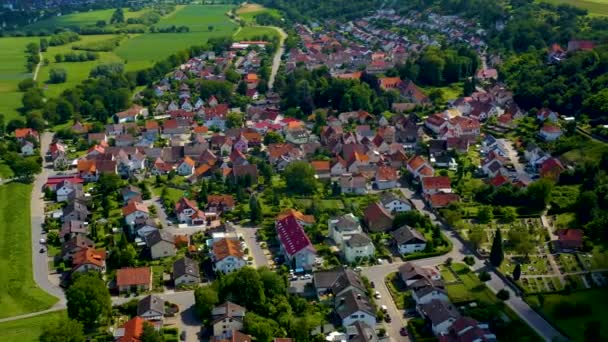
<point>389,82</point>
<point>140,277</point>
<point>22,133</point>
<point>227,247</point>
<point>299,216</point>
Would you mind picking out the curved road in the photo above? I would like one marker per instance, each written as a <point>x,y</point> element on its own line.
<point>378,275</point>
<point>276,61</point>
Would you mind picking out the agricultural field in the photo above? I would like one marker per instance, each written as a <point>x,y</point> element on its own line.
<point>27,329</point>
<point>251,32</point>
<point>18,292</point>
<point>574,324</point>
<point>594,7</point>
<point>248,12</point>
<point>12,71</point>
<point>143,50</point>
<point>80,19</point>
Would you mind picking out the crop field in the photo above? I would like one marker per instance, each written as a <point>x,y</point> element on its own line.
<point>143,50</point>
<point>18,292</point>
<point>250,32</point>
<point>250,11</point>
<point>27,329</point>
<point>12,71</point>
<point>80,19</point>
<point>594,7</point>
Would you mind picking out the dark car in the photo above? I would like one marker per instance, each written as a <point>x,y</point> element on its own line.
<point>403,331</point>
<point>373,285</point>
<point>182,336</point>
<point>42,250</point>
<point>387,318</point>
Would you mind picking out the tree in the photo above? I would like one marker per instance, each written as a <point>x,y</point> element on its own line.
<point>517,272</point>
<point>300,177</point>
<point>2,125</point>
<point>32,48</point>
<point>26,84</point>
<point>58,75</point>
<point>539,194</point>
<point>255,210</point>
<point>44,44</point>
<point>210,28</point>
<point>27,168</point>
<point>263,329</point>
<point>205,298</point>
<point>273,137</point>
<point>503,294</point>
<point>88,300</point>
<point>235,120</point>
<point>593,331</point>
<point>484,276</point>
<point>32,99</point>
<point>35,121</point>
<point>100,23</point>
<point>150,334</point>
<point>62,330</point>
<point>497,253</point>
<point>485,214</point>
<point>509,214</point>
<point>118,16</point>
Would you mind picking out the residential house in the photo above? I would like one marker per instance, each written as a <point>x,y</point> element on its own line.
<point>353,184</point>
<point>151,308</point>
<point>131,331</point>
<point>551,168</point>
<point>441,200</point>
<point>144,226</point>
<point>420,167</point>
<point>226,318</point>
<point>377,218</point>
<point>550,132</point>
<point>546,114</point>
<point>220,203</point>
<point>342,227</point>
<point>161,244</point>
<point>28,148</point>
<point>74,245</point>
<point>69,229</point>
<point>249,171</point>
<point>569,240</point>
<point>186,167</point>
<point>134,210</point>
<point>408,240</point>
<point>440,313</point>
<point>89,259</point>
<point>75,211</point>
<point>357,247</point>
<point>466,329</point>
<point>186,272</point>
<point>436,123</point>
<point>134,279</point>
<point>386,178</point>
<point>304,220</point>
<point>436,184</point>
<point>352,306</point>
<point>361,332</point>
<point>295,244</point>
<point>228,255</point>
<point>68,188</point>
<point>411,274</point>
<point>395,204</point>
<point>322,168</point>
<point>131,114</point>
<point>187,212</point>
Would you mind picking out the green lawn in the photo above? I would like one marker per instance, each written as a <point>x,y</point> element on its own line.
<point>5,171</point>
<point>27,329</point>
<point>594,7</point>
<point>470,289</point>
<point>248,13</point>
<point>251,32</point>
<point>450,92</point>
<point>18,292</point>
<point>12,71</point>
<point>574,325</point>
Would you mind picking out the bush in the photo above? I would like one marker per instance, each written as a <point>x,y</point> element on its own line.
<point>26,84</point>
<point>469,260</point>
<point>503,294</point>
<point>484,276</point>
<point>170,331</point>
<point>58,76</point>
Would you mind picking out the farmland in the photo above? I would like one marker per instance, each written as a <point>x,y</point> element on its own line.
<point>12,70</point>
<point>248,12</point>
<point>79,19</point>
<point>18,292</point>
<point>594,7</point>
<point>27,329</point>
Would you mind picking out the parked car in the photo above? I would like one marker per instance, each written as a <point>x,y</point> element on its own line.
<point>373,285</point>
<point>387,318</point>
<point>42,250</point>
<point>183,336</point>
<point>377,295</point>
<point>403,331</point>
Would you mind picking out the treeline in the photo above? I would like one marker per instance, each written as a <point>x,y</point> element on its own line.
<point>32,58</point>
<point>440,66</point>
<point>63,38</point>
<point>71,57</point>
<point>102,45</point>
<point>575,86</point>
<point>170,29</point>
<point>318,10</point>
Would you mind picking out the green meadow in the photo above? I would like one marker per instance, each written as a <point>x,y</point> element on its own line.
<point>27,329</point>
<point>79,19</point>
<point>12,71</point>
<point>594,7</point>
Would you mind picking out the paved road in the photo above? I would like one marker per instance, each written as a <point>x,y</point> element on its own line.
<point>40,261</point>
<point>378,274</point>
<point>276,61</point>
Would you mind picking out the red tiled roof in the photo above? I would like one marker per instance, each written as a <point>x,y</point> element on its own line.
<point>416,162</point>
<point>133,276</point>
<point>571,236</point>
<point>320,165</point>
<point>134,206</point>
<point>292,235</point>
<point>441,200</point>
<point>25,132</point>
<point>226,200</point>
<point>89,256</point>
<point>386,173</point>
<point>184,204</point>
<point>133,330</point>
<point>498,180</point>
<point>434,183</point>
<point>309,219</point>
<point>227,247</point>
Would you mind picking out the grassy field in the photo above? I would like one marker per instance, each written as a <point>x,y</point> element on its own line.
<point>12,71</point>
<point>143,50</point>
<point>250,11</point>
<point>250,32</point>
<point>574,325</point>
<point>594,7</point>
<point>28,329</point>
<point>80,19</point>
<point>590,151</point>
<point>18,292</point>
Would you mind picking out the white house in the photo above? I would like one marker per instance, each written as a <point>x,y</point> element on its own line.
<point>134,210</point>
<point>394,204</point>
<point>186,167</point>
<point>187,212</point>
<point>161,244</point>
<point>228,255</point>
<point>28,148</point>
<point>550,132</point>
<point>408,240</point>
<point>441,314</point>
<point>358,246</point>
<point>295,244</point>
<point>151,308</point>
<point>386,178</point>
<point>428,293</point>
<point>185,272</point>
<point>343,226</point>
<point>226,318</point>
<point>352,306</point>
<point>436,184</point>
<point>65,188</point>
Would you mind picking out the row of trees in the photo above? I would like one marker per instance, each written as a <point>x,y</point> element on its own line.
<point>76,57</point>
<point>440,66</point>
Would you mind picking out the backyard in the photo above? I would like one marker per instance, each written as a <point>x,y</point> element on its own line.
<point>18,292</point>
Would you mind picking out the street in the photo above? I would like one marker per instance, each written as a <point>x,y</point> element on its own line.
<point>255,250</point>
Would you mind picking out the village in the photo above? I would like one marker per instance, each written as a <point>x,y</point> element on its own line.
<point>173,195</point>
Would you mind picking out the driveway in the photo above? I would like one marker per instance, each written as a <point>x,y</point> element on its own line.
<point>258,253</point>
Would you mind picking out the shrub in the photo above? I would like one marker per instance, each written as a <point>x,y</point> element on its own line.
<point>503,294</point>
<point>484,276</point>
<point>469,260</point>
<point>58,76</point>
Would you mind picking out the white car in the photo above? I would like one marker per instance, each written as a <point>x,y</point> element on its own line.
<point>42,241</point>
<point>377,295</point>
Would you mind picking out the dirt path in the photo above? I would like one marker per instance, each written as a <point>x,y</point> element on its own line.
<point>38,66</point>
